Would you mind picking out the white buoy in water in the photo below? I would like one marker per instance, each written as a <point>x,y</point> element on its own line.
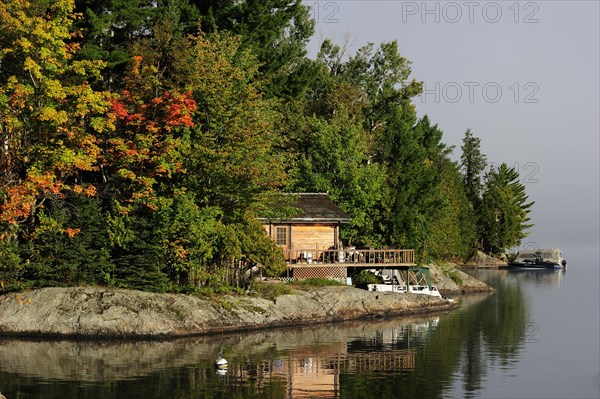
<point>220,362</point>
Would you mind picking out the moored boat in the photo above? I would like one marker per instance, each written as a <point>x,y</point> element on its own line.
<point>413,289</point>
<point>539,259</point>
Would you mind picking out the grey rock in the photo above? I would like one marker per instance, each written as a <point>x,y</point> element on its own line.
<point>447,286</point>
<point>109,312</point>
<point>481,259</point>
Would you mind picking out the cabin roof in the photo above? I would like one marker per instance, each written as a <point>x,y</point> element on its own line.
<point>319,207</point>
<point>315,208</point>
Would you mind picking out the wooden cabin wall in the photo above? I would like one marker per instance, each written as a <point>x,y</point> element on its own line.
<point>313,237</point>
<point>306,237</point>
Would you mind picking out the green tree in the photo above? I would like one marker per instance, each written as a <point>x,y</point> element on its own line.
<point>109,27</point>
<point>276,31</point>
<point>191,157</point>
<point>453,231</point>
<point>473,164</point>
<point>414,181</point>
<point>330,149</point>
<point>504,211</point>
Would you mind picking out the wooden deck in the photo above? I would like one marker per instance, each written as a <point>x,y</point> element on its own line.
<point>368,258</point>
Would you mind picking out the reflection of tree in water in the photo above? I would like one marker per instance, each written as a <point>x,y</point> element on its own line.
<point>465,342</point>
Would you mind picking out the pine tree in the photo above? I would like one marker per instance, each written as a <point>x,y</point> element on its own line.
<point>504,211</point>
<point>473,163</point>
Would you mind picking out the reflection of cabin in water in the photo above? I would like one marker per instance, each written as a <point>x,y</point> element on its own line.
<point>312,246</point>
<point>315,372</point>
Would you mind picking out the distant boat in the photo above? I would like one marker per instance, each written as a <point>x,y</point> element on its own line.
<point>539,259</point>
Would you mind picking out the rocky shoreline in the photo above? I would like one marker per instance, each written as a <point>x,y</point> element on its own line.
<point>105,313</point>
<point>100,312</point>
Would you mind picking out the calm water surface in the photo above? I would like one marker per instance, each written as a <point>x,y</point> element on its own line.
<point>536,337</point>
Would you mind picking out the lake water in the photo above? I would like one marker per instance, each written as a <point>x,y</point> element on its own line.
<point>536,337</point>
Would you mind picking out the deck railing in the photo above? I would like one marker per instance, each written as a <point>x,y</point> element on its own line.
<point>349,257</point>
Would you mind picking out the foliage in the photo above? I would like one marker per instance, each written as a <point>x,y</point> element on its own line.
<point>277,31</point>
<point>317,282</point>
<point>366,277</point>
<point>505,209</point>
<point>49,114</point>
<point>453,232</point>
<point>450,271</point>
<point>271,290</point>
<point>473,163</point>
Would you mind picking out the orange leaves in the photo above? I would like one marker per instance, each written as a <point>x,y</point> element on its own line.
<point>145,147</point>
<point>21,198</point>
<point>72,232</point>
<point>88,191</point>
<point>17,205</point>
<point>180,110</point>
<point>119,110</point>
<point>169,110</point>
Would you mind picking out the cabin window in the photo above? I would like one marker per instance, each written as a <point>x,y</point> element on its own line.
<point>281,235</point>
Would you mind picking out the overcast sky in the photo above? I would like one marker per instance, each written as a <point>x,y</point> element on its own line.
<point>523,76</point>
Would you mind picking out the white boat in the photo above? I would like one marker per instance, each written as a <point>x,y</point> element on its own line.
<point>424,290</point>
<point>539,259</point>
<point>413,289</point>
<point>386,288</point>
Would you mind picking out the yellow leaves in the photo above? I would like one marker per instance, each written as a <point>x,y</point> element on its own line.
<point>52,115</point>
<point>24,43</point>
<point>126,174</point>
<point>33,68</point>
<point>54,89</point>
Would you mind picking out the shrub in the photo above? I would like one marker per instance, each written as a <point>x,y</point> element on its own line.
<point>271,290</point>
<point>451,272</point>
<point>317,282</point>
<point>366,277</point>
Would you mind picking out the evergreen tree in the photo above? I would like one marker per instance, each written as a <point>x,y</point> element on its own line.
<point>473,163</point>
<point>276,31</point>
<point>453,232</point>
<point>504,211</point>
<point>109,27</point>
<point>414,179</point>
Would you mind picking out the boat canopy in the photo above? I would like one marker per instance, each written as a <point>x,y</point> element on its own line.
<point>551,254</point>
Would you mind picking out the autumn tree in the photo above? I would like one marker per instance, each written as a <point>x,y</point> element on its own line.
<point>190,157</point>
<point>50,119</point>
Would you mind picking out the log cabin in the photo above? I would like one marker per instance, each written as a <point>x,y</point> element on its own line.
<point>315,228</point>
<point>310,235</point>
